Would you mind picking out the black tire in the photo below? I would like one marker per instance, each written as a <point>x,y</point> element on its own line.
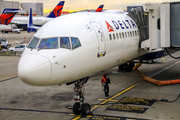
<point>132,65</point>
<point>129,66</point>
<point>150,61</point>
<point>85,109</point>
<point>121,68</point>
<point>76,108</point>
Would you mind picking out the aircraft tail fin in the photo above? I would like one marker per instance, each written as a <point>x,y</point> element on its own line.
<point>30,26</point>
<point>57,10</point>
<point>100,8</point>
<point>7,15</point>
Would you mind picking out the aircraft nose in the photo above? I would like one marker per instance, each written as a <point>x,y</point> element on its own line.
<point>34,69</point>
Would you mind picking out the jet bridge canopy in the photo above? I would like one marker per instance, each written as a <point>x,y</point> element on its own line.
<point>158,24</point>
<point>141,20</point>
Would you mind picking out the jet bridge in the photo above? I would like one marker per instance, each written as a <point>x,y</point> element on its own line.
<point>158,24</point>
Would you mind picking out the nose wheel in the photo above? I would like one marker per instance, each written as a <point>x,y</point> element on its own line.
<point>84,109</point>
<point>80,107</point>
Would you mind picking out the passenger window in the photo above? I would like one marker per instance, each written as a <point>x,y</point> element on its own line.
<point>135,33</point>
<point>120,35</point>
<point>110,37</point>
<point>75,42</point>
<point>114,37</point>
<point>130,34</point>
<point>117,36</point>
<point>125,35</point>
<point>33,43</point>
<point>64,43</point>
<point>49,43</point>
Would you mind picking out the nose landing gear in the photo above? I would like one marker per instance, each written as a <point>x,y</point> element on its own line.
<point>80,107</point>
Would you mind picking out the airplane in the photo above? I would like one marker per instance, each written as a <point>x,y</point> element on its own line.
<point>7,15</point>
<point>70,48</point>
<point>39,21</point>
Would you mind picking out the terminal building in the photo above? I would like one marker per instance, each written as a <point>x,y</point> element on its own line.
<point>37,8</point>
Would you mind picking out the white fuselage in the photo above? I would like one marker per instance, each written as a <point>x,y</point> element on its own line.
<point>36,20</point>
<point>56,66</point>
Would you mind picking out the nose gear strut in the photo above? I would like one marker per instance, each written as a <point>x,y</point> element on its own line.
<point>80,107</point>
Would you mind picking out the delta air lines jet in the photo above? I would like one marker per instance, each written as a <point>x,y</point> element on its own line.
<point>39,21</point>
<point>70,48</point>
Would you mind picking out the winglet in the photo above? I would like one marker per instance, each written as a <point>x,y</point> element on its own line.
<point>100,8</point>
<point>57,10</point>
<point>7,15</point>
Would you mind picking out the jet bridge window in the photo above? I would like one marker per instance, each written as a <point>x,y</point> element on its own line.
<point>75,42</point>
<point>65,43</point>
<point>48,43</point>
<point>33,43</point>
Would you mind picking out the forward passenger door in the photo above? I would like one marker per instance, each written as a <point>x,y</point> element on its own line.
<point>100,38</point>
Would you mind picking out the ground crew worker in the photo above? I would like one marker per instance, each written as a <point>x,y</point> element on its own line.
<point>105,81</point>
<point>0,45</point>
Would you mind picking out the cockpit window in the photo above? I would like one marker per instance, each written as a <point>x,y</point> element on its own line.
<point>64,43</point>
<point>33,43</point>
<point>49,43</point>
<point>75,42</point>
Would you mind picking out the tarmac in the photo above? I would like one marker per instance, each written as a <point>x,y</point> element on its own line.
<point>130,97</point>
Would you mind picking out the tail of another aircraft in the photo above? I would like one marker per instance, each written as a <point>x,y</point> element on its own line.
<point>30,26</point>
<point>57,10</point>
<point>100,8</point>
<point>7,15</point>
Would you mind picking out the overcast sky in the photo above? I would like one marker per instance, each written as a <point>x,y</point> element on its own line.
<point>91,4</point>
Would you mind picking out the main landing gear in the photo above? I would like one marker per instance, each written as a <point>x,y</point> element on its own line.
<point>80,107</point>
<point>126,66</point>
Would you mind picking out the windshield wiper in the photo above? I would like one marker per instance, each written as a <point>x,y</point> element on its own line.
<point>40,49</point>
<point>31,48</point>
